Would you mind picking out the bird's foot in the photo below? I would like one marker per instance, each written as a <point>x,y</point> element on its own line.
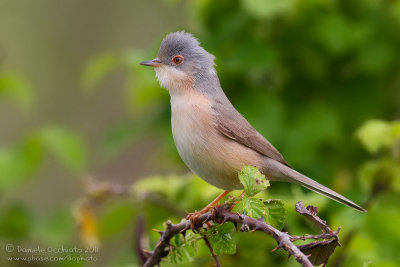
<point>194,218</point>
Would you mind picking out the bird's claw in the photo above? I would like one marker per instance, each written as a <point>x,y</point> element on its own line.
<point>194,219</point>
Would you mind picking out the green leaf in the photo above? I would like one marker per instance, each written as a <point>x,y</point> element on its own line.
<point>268,9</point>
<point>118,138</point>
<point>320,251</point>
<point>19,162</point>
<point>252,180</point>
<point>15,222</point>
<point>254,207</point>
<point>275,213</point>
<point>98,67</point>
<point>375,135</point>
<point>175,255</point>
<point>115,218</point>
<point>221,240</point>
<point>15,87</point>
<point>66,146</point>
<point>182,249</point>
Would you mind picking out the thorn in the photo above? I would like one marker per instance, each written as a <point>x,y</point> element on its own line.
<point>183,232</point>
<point>224,220</point>
<point>147,252</point>
<point>158,231</point>
<point>236,226</point>
<point>241,216</point>
<point>261,219</point>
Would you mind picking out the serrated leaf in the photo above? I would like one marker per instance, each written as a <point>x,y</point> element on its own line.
<point>252,180</point>
<point>254,207</point>
<point>182,249</point>
<point>275,213</point>
<point>176,244</point>
<point>220,239</point>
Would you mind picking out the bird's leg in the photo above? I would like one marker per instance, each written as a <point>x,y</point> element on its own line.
<point>193,216</point>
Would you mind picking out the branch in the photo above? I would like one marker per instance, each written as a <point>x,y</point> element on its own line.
<point>321,236</point>
<point>317,252</point>
<point>282,238</point>
<point>222,214</point>
<point>162,248</point>
<point>139,239</point>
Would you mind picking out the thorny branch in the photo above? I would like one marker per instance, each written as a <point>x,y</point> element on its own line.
<point>307,255</point>
<point>314,253</point>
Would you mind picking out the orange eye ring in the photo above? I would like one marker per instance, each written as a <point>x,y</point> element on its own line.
<point>177,59</point>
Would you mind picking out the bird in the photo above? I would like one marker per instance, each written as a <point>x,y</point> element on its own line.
<point>213,139</point>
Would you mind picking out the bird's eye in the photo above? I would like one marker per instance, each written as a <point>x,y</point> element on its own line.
<point>177,59</point>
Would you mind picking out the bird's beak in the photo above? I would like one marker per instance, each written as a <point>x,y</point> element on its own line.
<point>152,63</point>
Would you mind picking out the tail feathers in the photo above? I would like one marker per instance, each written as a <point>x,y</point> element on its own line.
<point>296,177</point>
<point>333,195</point>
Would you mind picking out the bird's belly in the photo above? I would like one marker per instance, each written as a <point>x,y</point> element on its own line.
<point>204,149</point>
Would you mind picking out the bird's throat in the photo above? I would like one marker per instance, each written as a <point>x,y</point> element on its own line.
<point>174,80</point>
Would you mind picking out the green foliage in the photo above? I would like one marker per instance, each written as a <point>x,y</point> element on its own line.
<point>375,136</point>
<point>252,180</point>
<point>66,146</point>
<point>221,240</point>
<point>275,213</point>
<point>14,222</point>
<point>98,67</point>
<point>20,161</point>
<point>253,207</point>
<point>272,211</point>
<point>375,235</point>
<point>379,134</point>
<point>115,218</point>
<point>15,87</point>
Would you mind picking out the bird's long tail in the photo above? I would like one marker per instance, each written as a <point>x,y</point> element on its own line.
<point>290,175</point>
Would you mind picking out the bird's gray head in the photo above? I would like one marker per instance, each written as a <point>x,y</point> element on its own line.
<point>181,63</point>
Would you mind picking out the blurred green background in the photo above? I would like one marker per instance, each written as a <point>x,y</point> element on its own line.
<point>79,117</point>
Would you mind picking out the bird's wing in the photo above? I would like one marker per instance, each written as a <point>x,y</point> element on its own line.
<point>234,126</point>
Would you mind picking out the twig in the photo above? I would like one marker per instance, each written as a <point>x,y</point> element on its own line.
<point>140,239</point>
<point>212,251</point>
<point>321,236</point>
<point>311,213</point>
